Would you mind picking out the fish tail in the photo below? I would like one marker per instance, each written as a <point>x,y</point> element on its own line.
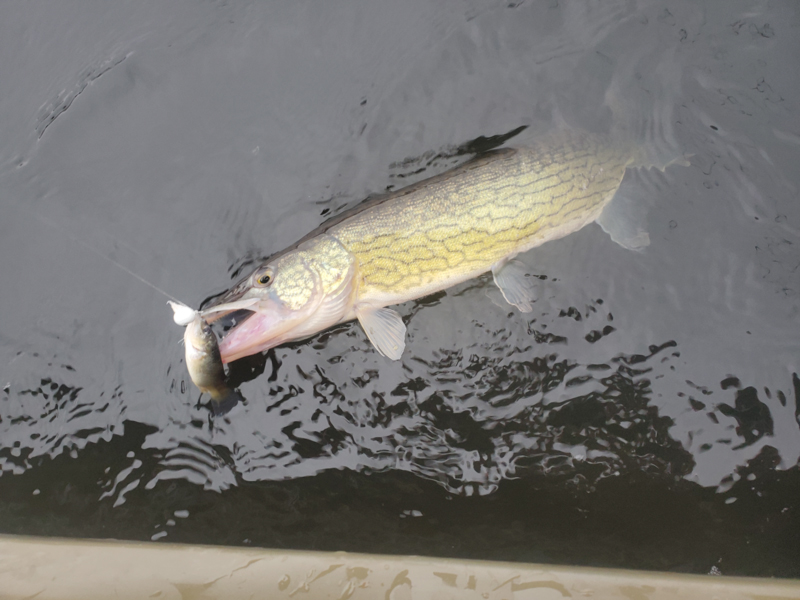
<point>642,97</point>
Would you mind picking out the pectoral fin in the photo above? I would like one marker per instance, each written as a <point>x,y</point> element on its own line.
<point>513,280</point>
<point>385,329</point>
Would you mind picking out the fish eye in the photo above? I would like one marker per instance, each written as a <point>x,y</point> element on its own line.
<point>265,278</point>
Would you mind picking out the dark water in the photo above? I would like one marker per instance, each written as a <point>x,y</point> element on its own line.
<point>645,414</point>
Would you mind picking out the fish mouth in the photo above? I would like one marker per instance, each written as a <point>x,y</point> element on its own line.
<point>230,319</point>
<point>253,332</point>
<point>250,326</point>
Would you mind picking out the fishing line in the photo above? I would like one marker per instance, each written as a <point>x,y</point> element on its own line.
<point>97,252</point>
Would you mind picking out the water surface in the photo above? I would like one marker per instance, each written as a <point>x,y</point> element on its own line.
<point>644,415</point>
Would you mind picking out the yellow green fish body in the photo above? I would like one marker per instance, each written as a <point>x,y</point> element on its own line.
<point>456,226</point>
<point>426,238</point>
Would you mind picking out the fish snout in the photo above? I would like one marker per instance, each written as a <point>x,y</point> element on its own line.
<point>233,294</point>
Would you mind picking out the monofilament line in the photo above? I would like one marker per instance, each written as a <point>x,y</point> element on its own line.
<point>95,251</point>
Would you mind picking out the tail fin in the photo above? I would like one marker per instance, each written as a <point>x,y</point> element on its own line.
<point>642,96</point>
<point>224,399</point>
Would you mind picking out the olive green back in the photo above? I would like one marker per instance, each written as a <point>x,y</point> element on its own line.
<point>469,218</point>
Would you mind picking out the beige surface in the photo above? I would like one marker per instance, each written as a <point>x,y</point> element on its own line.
<point>43,569</point>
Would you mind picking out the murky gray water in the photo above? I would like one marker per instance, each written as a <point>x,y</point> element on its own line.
<point>644,415</point>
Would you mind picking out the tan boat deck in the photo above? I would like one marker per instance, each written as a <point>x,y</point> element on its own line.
<point>83,569</point>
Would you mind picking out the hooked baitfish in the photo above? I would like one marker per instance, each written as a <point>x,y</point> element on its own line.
<point>428,237</point>
<point>204,364</point>
<point>203,358</point>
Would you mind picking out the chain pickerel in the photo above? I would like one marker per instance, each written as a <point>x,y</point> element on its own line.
<point>428,237</point>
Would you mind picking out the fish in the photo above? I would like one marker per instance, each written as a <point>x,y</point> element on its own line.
<point>203,359</point>
<point>430,236</point>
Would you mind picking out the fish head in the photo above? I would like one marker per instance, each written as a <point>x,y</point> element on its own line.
<point>199,335</point>
<point>290,298</point>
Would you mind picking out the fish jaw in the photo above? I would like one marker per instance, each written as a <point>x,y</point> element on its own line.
<point>239,291</point>
<point>273,323</point>
<point>265,328</point>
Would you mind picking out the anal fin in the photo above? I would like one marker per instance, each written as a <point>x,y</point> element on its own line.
<point>513,280</point>
<point>385,329</point>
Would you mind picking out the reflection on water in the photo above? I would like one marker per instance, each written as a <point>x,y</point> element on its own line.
<point>650,403</point>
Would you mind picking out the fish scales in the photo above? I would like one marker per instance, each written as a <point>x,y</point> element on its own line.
<point>460,224</point>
